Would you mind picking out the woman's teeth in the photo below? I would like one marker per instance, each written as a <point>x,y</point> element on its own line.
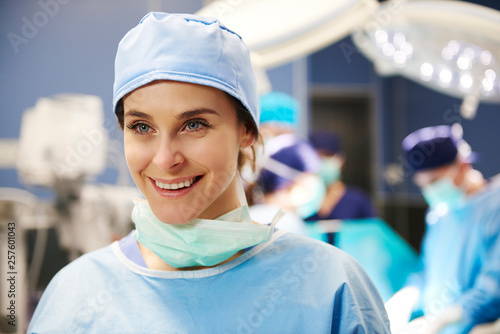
<point>175,186</point>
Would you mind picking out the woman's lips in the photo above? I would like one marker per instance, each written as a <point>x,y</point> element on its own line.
<point>175,188</point>
<point>175,185</point>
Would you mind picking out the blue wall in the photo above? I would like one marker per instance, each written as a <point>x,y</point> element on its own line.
<point>340,64</point>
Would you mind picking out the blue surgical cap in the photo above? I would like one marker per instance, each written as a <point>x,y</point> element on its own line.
<point>279,108</point>
<point>295,153</point>
<point>187,48</point>
<point>325,141</point>
<point>434,147</point>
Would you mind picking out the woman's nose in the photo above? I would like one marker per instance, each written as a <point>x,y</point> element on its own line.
<point>168,154</point>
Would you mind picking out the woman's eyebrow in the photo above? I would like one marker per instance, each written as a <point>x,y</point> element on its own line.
<point>195,112</point>
<point>138,114</point>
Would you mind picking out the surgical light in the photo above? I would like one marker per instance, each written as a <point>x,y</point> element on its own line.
<point>422,41</point>
<point>445,76</point>
<point>389,50</point>
<point>489,74</point>
<point>486,57</point>
<point>426,71</point>
<point>466,81</point>
<point>279,31</point>
<point>381,37</point>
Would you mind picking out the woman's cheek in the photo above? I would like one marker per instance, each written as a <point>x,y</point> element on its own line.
<point>137,155</point>
<point>219,155</point>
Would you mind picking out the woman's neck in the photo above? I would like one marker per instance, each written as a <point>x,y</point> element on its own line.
<point>154,262</point>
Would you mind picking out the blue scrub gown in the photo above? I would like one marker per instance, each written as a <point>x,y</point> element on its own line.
<point>354,204</point>
<point>291,284</point>
<point>461,259</point>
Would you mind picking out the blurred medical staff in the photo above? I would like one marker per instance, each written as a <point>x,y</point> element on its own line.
<point>288,180</point>
<point>279,114</point>
<point>459,286</point>
<point>341,201</point>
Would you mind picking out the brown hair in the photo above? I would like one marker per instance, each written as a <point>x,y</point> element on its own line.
<point>246,156</point>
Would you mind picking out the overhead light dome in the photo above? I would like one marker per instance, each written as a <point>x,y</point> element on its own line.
<point>450,46</point>
<point>279,31</point>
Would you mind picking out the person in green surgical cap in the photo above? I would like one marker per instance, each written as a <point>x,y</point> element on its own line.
<point>341,201</point>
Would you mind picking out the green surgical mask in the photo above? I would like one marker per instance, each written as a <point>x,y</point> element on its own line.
<point>330,170</point>
<point>308,201</point>
<point>443,191</point>
<point>200,242</point>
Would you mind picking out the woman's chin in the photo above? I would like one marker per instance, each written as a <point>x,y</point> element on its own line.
<point>175,215</point>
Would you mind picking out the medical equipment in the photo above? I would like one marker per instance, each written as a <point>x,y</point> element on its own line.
<point>63,146</point>
<point>62,139</point>
<point>422,41</point>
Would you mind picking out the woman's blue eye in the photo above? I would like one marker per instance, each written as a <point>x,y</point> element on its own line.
<point>139,128</point>
<point>193,125</point>
<point>143,127</point>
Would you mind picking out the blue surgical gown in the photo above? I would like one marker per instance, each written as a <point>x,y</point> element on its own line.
<point>461,259</point>
<point>291,284</point>
<point>354,204</point>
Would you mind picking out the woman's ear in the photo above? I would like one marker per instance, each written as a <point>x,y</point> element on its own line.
<point>247,136</point>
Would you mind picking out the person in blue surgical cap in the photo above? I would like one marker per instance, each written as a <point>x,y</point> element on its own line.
<point>185,97</point>
<point>279,114</point>
<point>341,201</point>
<point>459,286</point>
<point>288,180</point>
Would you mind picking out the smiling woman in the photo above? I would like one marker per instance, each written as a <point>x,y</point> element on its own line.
<point>186,100</point>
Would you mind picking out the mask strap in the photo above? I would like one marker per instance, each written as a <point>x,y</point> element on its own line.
<point>277,217</point>
<point>240,190</point>
<point>280,169</point>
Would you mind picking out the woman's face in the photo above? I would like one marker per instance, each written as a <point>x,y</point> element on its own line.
<point>181,144</point>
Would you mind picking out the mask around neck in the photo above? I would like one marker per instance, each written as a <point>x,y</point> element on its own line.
<point>200,242</point>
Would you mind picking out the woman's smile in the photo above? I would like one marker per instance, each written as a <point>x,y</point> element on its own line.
<point>174,185</point>
<point>175,188</point>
